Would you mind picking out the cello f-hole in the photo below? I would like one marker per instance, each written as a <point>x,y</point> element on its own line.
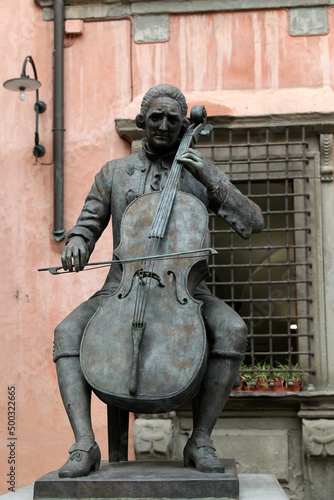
<point>183,301</point>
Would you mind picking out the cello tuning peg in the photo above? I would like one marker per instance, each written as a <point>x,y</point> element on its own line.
<point>206,130</point>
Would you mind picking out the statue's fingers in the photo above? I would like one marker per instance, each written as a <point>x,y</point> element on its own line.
<point>76,260</point>
<point>196,162</point>
<point>70,262</point>
<point>189,161</point>
<point>66,259</point>
<point>186,154</point>
<point>194,152</point>
<point>83,257</point>
<point>190,155</point>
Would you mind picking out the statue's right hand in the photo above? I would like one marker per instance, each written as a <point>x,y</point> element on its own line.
<point>75,254</point>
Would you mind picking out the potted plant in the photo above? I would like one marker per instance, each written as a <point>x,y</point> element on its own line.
<point>295,380</point>
<point>248,377</point>
<point>289,376</point>
<point>262,375</point>
<point>244,376</point>
<point>280,377</point>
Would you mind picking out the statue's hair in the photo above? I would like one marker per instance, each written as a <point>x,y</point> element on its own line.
<point>162,90</point>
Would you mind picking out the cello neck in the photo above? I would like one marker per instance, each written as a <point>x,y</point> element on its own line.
<point>162,214</point>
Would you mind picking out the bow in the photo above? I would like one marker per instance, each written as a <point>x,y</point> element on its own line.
<point>97,265</point>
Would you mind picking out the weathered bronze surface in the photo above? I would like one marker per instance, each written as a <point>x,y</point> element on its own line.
<point>179,359</point>
<point>143,338</point>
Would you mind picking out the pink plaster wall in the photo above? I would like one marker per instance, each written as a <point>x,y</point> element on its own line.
<point>238,50</point>
<point>225,60</point>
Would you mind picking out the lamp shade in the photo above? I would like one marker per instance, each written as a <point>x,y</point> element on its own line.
<point>23,83</point>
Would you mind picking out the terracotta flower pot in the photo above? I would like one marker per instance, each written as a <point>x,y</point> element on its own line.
<point>251,388</point>
<point>296,387</point>
<point>262,385</point>
<point>279,386</point>
<point>241,388</point>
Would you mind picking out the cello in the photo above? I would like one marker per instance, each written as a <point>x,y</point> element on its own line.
<point>145,348</point>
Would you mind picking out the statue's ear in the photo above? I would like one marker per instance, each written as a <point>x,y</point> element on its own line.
<point>140,121</point>
<point>185,125</point>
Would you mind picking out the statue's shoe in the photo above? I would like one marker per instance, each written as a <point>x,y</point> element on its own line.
<point>200,453</point>
<point>81,462</point>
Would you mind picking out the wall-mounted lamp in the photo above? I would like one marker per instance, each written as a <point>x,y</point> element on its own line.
<point>25,83</point>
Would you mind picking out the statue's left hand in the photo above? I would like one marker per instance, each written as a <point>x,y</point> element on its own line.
<point>75,254</point>
<point>194,162</point>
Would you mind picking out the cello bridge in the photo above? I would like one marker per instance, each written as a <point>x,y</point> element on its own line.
<point>145,276</point>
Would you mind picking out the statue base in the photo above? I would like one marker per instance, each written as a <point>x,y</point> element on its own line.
<point>142,479</point>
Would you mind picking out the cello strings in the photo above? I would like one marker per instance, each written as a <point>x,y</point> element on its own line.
<point>140,282</point>
<point>171,197</point>
<point>146,291</point>
<point>166,204</point>
<point>157,231</point>
<point>155,243</point>
<point>164,210</point>
<point>166,199</point>
<point>151,249</point>
<point>142,289</point>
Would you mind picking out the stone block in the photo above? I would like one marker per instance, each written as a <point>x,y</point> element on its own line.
<point>318,437</point>
<point>259,451</point>
<point>74,27</point>
<point>151,28</point>
<point>153,438</point>
<point>308,21</point>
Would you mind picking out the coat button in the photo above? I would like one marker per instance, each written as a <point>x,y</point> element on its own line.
<point>130,169</point>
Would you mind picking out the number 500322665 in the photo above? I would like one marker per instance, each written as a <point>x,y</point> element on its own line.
<point>11,411</point>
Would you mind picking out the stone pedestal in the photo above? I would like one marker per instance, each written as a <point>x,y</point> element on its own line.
<point>159,480</point>
<point>252,487</point>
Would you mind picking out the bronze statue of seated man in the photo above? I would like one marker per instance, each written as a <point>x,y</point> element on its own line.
<point>163,116</point>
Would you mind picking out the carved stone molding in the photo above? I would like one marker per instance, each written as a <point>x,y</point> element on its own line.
<point>127,129</point>
<point>105,8</point>
<point>153,438</point>
<point>326,157</point>
<point>318,438</point>
<point>135,146</point>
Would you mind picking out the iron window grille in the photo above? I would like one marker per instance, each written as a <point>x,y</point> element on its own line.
<point>267,279</point>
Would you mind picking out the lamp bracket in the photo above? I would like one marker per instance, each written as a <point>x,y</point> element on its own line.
<point>40,106</point>
<point>38,150</point>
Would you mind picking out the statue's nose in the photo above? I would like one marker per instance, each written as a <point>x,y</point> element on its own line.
<point>163,124</point>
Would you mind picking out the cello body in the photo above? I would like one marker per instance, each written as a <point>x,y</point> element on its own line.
<point>172,351</point>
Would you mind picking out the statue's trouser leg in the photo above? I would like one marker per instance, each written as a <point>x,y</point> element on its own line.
<point>215,390</point>
<point>76,396</point>
<point>227,336</point>
<point>75,392</point>
<point>207,406</point>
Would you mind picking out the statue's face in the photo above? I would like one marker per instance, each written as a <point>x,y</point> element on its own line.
<point>163,123</point>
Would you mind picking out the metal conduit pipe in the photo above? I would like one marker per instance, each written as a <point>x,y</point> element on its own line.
<point>59,231</point>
